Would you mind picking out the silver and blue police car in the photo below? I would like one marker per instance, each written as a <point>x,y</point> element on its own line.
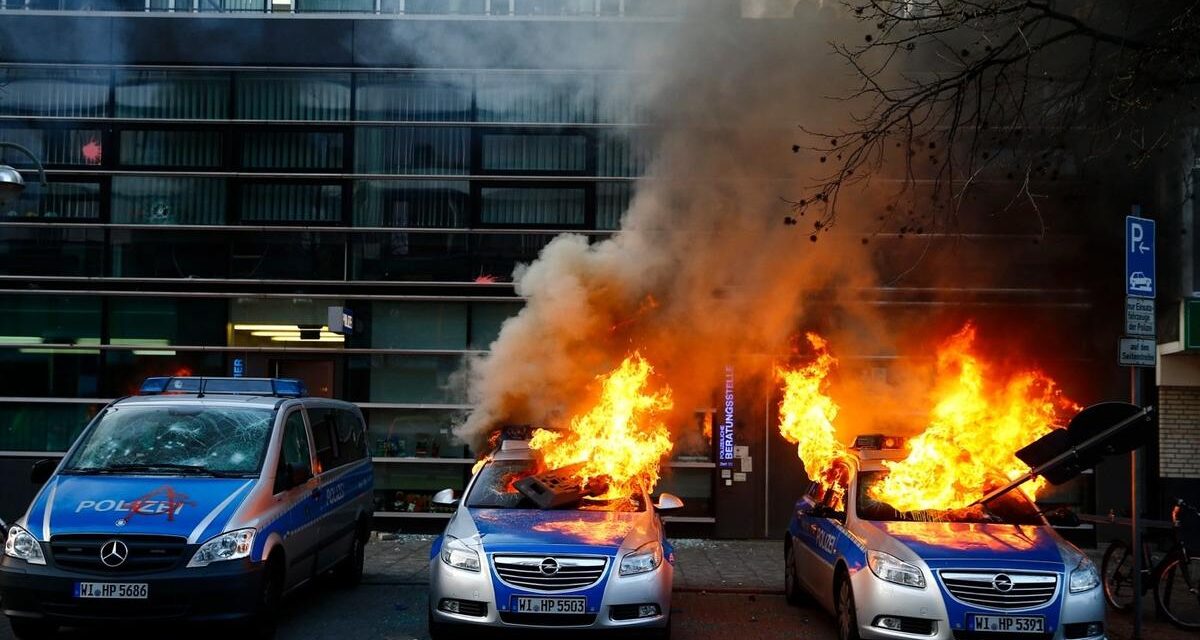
<point>998,571</point>
<point>505,563</point>
<point>200,499</point>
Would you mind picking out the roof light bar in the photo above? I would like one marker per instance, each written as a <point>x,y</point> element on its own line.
<point>278,387</point>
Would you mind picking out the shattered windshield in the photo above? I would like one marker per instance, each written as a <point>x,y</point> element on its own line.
<point>494,489</point>
<point>1011,508</point>
<point>176,439</point>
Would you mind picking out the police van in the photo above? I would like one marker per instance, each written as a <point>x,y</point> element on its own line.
<point>199,499</point>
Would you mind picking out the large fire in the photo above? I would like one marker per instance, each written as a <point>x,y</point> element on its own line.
<point>623,438</point>
<point>806,413</point>
<point>978,419</point>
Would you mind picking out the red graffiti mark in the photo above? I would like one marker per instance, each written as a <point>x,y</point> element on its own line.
<point>163,500</point>
<point>92,152</point>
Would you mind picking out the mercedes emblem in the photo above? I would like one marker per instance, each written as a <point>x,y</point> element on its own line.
<point>113,553</point>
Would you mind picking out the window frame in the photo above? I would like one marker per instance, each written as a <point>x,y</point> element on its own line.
<point>283,432</point>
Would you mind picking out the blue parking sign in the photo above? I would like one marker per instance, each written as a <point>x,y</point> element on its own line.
<point>1139,257</point>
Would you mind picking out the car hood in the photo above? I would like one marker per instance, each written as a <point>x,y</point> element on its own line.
<point>194,508</point>
<point>525,529</point>
<point>957,542</point>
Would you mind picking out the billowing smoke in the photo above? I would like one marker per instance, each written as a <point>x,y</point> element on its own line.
<point>703,272</point>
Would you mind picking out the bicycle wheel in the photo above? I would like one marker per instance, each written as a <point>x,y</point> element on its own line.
<point>1177,592</point>
<point>1117,572</point>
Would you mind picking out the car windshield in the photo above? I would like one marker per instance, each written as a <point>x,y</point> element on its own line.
<point>493,489</point>
<point>1011,508</point>
<point>175,439</point>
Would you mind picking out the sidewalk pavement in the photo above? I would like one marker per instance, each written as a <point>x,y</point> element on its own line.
<point>700,565</point>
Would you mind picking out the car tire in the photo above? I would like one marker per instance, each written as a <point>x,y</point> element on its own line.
<point>847,612</point>
<point>27,629</point>
<point>443,630</point>
<point>350,572</point>
<point>792,591</point>
<point>265,620</point>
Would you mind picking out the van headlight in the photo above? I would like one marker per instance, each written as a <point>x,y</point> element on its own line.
<point>21,544</point>
<point>457,554</point>
<point>645,558</point>
<point>1084,577</point>
<point>231,545</point>
<point>888,567</point>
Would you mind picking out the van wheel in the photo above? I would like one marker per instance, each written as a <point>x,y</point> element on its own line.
<point>27,629</point>
<point>265,621</point>
<point>350,572</point>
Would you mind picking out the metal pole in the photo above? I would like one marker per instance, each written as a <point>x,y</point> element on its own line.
<point>1135,393</point>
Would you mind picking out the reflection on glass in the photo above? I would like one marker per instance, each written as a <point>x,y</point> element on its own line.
<point>410,488</point>
<point>293,96</point>
<point>54,93</point>
<point>171,148</point>
<point>533,206</point>
<point>413,97</point>
<point>52,252</point>
<point>412,256</point>
<point>179,95</point>
<point>411,203</point>
<point>57,200</point>
<point>292,150</point>
<point>418,325</point>
<point>612,201</point>
<point>413,150</point>
<point>535,97</point>
<point>534,152</point>
<point>409,378</point>
<point>155,200</point>
<point>42,427</point>
<point>486,320</point>
<point>291,203</point>
<point>414,433</point>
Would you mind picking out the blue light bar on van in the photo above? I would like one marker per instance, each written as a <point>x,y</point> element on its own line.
<point>278,387</point>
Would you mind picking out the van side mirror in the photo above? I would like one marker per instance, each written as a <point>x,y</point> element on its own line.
<point>42,470</point>
<point>445,498</point>
<point>668,502</point>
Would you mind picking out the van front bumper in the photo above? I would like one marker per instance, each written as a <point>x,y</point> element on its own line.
<point>223,591</point>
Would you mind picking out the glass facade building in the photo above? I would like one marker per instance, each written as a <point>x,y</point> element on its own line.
<point>204,215</point>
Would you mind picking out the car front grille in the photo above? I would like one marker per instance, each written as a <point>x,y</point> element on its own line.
<point>988,588</point>
<point>146,553</point>
<point>549,573</point>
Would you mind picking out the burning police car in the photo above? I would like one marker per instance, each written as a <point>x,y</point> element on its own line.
<point>201,499</point>
<point>989,571</point>
<point>524,550</point>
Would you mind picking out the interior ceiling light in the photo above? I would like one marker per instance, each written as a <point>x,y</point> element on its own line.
<point>277,327</point>
<point>324,338</point>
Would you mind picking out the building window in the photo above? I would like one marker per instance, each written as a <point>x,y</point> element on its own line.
<point>413,151</point>
<point>54,94</point>
<point>155,200</point>
<point>618,155</point>
<point>274,202</point>
<point>411,203</point>
<point>533,206</point>
<point>173,95</point>
<point>57,201</point>
<point>320,150</point>
<point>336,6</point>
<point>413,97</point>
<point>194,149</point>
<point>43,427</point>
<point>54,147</point>
<point>286,96</point>
<point>258,322</point>
<point>440,7</point>
<point>535,97</point>
<point>612,200</point>
<point>538,153</point>
<point>407,378</point>
<point>418,325</point>
<point>486,320</point>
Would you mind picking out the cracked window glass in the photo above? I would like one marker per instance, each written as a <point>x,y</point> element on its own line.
<point>177,439</point>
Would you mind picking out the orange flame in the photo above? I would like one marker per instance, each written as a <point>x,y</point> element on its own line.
<point>976,426</point>
<point>977,422</point>
<point>623,437</point>
<point>806,413</point>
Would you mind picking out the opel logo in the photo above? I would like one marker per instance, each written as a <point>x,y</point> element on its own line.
<point>1002,583</point>
<point>113,553</point>
<point>549,567</point>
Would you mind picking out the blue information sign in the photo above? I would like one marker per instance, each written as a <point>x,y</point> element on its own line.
<point>1139,257</point>
<point>725,424</point>
<point>239,367</point>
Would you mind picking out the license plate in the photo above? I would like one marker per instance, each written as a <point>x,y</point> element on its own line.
<point>113,590</point>
<point>551,605</point>
<point>1008,624</point>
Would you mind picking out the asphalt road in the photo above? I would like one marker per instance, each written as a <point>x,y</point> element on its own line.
<point>397,612</point>
<point>394,612</point>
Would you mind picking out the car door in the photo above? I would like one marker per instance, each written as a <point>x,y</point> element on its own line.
<point>334,454</point>
<point>297,498</point>
<point>821,528</point>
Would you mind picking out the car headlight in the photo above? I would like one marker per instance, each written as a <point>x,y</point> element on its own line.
<point>457,554</point>
<point>645,558</point>
<point>888,567</point>
<point>231,545</point>
<point>1084,577</point>
<point>21,544</point>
